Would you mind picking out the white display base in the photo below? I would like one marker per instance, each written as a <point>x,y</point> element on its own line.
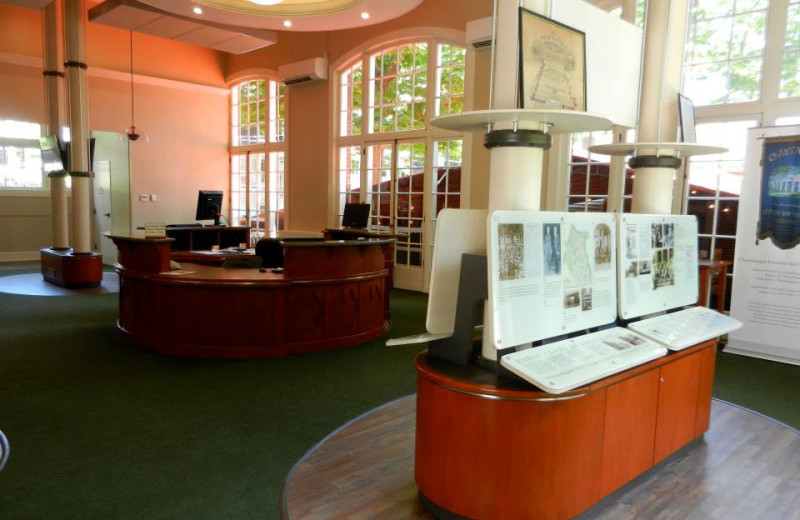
<point>682,329</point>
<point>558,121</point>
<point>660,148</point>
<point>565,365</point>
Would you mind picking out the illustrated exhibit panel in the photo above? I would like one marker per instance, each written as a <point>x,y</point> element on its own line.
<point>682,329</point>
<point>657,263</point>
<point>551,273</point>
<point>564,365</point>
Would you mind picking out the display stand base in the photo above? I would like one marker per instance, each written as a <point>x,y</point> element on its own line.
<point>74,270</point>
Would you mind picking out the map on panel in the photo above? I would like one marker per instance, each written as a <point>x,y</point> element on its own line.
<point>551,273</point>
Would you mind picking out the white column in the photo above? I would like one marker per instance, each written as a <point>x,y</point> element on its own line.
<point>53,97</point>
<point>74,12</point>
<point>658,105</point>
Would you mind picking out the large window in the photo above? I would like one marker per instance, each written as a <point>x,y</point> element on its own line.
<point>389,155</point>
<point>725,51</point>
<point>258,130</point>
<point>20,157</point>
<point>741,71</point>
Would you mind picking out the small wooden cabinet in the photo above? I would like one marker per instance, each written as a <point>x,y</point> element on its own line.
<point>488,447</point>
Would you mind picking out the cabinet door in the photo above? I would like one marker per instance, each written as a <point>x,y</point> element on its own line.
<point>677,405</point>
<point>706,358</point>
<point>629,429</point>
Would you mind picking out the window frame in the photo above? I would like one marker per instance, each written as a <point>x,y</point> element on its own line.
<point>267,148</point>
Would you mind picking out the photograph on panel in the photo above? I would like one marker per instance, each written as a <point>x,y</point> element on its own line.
<point>511,251</point>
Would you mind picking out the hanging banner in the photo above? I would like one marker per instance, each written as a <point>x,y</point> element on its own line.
<point>779,215</point>
<point>766,270</point>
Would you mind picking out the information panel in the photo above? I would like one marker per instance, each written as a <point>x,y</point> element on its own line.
<point>550,273</point>
<point>657,263</point>
<point>564,365</point>
<point>685,328</point>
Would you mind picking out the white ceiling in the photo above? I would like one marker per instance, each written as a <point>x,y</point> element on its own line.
<point>239,26</point>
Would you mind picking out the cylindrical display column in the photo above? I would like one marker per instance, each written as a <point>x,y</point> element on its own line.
<point>78,124</point>
<point>658,104</point>
<point>516,158</point>
<point>53,89</point>
<point>652,187</point>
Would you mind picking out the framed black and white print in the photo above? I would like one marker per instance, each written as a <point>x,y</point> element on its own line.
<point>552,63</point>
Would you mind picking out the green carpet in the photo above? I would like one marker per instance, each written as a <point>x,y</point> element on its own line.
<point>101,429</point>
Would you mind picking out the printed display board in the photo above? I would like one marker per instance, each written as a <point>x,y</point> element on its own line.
<point>550,273</point>
<point>564,365</point>
<point>682,329</point>
<point>657,263</point>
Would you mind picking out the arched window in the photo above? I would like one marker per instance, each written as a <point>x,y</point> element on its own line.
<point>388,155</point>
<point>258,147</point>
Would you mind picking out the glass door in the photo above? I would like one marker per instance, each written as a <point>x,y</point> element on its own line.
<point>395,183</point>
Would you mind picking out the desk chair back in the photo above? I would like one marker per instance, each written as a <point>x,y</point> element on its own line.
<point>252,262</point>
<point>270,251</point>
<point>3,450</point>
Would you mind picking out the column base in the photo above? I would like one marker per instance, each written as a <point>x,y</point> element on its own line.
<point>72,270</point>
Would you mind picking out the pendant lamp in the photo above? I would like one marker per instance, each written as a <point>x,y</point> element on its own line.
<point>134,134</point>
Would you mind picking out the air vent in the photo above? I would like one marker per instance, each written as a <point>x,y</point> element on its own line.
<point>295,81</point>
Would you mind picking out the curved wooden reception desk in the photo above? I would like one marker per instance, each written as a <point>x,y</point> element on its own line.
<point>494,448</point>
<point>330,295</point>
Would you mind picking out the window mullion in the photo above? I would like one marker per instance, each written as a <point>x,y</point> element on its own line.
<point>775,33</point>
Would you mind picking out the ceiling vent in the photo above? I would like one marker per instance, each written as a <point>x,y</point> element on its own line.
<point>304,71</point>
<point>479,33</point>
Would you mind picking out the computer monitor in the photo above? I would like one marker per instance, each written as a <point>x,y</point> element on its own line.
<point>54,154</point>
<point>209,205</point>
<point>355,215</point>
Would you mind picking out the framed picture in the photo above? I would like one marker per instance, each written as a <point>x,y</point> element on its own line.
<point>552,63</point>
<point>686,117</point>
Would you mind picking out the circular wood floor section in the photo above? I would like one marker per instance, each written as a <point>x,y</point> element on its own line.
<point>746,467</point>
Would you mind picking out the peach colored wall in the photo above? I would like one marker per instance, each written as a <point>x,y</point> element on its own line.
<point>21,93</point>
<point>20,31</point>
<point>188,128</point>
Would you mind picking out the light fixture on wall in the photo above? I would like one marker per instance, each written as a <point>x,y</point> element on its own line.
<point>134,134</point>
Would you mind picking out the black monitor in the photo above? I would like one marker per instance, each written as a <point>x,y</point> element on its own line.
<point>54,154</point>
<point>209,205</point>
<point>355,215</point>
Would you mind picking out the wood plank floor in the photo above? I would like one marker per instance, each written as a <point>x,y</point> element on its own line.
<point>747,467</point>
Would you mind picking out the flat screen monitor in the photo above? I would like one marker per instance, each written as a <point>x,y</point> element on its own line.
<point>54,154</point>
<point>209,205</point>
<point>355,215</point>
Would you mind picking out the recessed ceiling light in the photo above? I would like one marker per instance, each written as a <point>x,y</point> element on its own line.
<point>365,15</point>
<point>287,23</point>
<point>197,10</point>
<point>266,2</point>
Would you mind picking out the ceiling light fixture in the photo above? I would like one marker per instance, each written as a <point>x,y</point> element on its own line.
<point>365,15</point>
<point>197,10</point>
<point>266,2</point>
<point>287,23</point>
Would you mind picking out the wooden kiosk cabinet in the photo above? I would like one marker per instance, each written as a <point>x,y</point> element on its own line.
<point>490,448</point>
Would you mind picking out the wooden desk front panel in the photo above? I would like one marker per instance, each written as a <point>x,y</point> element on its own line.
<point>242,313</point>
<point>490,451</point>
<point>484,458</point>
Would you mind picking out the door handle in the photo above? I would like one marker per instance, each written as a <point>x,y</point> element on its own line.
<point>107,214</point>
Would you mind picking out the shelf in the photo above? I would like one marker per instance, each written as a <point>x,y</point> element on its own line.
<point>561,121</point>
<point>662,148</point>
